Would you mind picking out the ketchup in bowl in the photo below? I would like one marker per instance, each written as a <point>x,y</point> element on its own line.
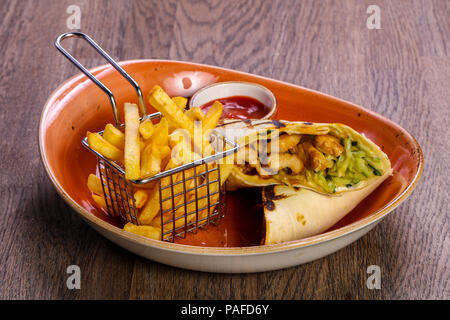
<point>239,107</point>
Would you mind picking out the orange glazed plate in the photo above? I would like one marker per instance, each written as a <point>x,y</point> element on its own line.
<point>78,105</point>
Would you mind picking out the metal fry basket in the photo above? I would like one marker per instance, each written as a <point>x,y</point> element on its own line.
<point>190,197</point>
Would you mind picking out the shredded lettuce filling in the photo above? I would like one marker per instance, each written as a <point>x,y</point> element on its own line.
<point>357,163</point>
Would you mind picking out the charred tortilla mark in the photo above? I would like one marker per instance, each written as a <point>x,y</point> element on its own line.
<point>248,123</point>
<point>308,123</point>
<point>266,122</point>
<point>280,196</point>
<point>248,170</point>
<point>228,123</point>
<point>278,124</point>
<point>269,205</point>
<point>269,194</point>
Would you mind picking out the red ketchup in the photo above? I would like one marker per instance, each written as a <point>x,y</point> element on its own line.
<point>240,107</point>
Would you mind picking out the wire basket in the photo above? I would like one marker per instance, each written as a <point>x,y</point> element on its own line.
<point>190,197</point>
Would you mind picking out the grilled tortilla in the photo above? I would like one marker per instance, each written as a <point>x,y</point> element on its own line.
<point>327,158</point>
<point>292,214</point>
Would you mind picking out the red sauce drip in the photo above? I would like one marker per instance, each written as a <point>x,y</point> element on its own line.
<point>240,107</point>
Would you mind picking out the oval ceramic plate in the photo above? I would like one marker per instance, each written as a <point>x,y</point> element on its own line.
<point>79,105</point>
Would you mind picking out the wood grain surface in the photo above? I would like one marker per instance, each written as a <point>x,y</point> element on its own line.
<point>401,71</point>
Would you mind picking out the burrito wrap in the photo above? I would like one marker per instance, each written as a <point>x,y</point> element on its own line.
<point>292,214</point>
<point>308,202</point>
<point>361,164</point>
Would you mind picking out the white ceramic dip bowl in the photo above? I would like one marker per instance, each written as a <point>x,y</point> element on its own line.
<point>223,90</point>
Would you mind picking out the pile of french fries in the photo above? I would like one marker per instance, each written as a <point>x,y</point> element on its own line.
<point>145,149</point>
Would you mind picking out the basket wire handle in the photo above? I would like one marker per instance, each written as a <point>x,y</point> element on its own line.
<point>94,79</point>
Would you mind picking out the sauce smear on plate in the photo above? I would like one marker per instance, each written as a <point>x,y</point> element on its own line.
<point>242,225</point>
<point>240,107</point>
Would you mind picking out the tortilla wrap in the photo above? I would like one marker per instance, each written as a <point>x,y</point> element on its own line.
<point>292,214</point>
<point>360,163</point>
<point>308,199</point>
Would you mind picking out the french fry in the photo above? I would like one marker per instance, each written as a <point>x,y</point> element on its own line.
<point>114,136</point>
<point>164,104</point>
<point>202,203</point>
<point>140,198</point>
<point>146,129</point>
<point>182,154</point>
<point>146,162</point>
<point>100,201</point>
<point>166,156</point>
<point>179,136</point>
<point>195,113</point>
<point>144,150</point>
<point>132,152</point>
<point>94,184</point>
<point>146,231</point>
<point>202,214</point>
<point>151,208</point>
<point>210,121</point>
<point>175,138</point>
<point>161,135</point>
<point>198,140</point>
<point>99,144</point>
<point>152,157</point>
<point>180,142</point>
<point>181,102</point>
<point>141,145</point>
<point>212,117</point>
<point>155,151</point>
<point>164,152</point>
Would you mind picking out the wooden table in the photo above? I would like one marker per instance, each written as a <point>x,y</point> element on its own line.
<point>401,71</point>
